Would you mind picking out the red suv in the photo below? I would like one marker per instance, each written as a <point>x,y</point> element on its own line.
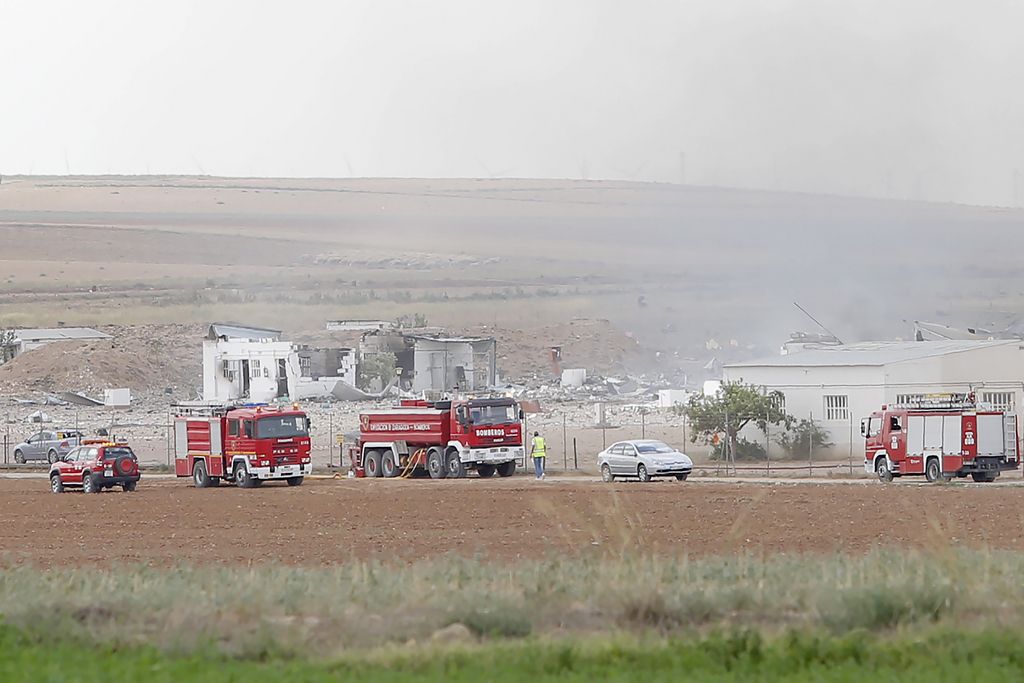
<point>95,467</point>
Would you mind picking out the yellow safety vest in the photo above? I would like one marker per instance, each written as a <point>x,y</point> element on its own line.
<point>539,447</point>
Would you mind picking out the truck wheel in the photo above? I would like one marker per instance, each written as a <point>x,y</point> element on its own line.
<point>932,471</point>
<point>89,483</point>
<point>373,464</point>
<point>436,465</point>
<point>485,471</point>
<point>129,486</point>
<point>507,469</point>
<point>882,470</point>
<point>199,476</point>
<point>295,481</point>
<point>242,478</point>
<point>983,477</point>
<point>388,466</point>
<point>19,457</point>
<point>456,469</point>
<point>56,485</point>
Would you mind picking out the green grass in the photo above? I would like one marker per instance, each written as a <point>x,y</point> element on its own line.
<point>741,656</point>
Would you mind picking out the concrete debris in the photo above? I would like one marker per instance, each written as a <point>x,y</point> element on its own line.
<point>80,399</point>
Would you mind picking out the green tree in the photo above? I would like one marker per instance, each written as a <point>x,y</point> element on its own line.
<point>732,409</point>
<point>375,366</point>
<point>6,345</point>
<point>806,435</point>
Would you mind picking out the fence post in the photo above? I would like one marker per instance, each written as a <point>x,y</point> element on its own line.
<point>851,444</point>
<point>575,462</point>
<point>643,423</point>
<point>565,446</point>
<point>810,446</point>
<point>330,438</point>
<point>767,446</point>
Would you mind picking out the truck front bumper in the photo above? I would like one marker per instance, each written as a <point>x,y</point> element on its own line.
<point>492,456</point>
<point>281,471</point>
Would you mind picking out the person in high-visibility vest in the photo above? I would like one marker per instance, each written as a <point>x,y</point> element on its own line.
<point>538,449</point>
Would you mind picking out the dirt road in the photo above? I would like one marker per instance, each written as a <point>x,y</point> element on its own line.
<point>326,522</point>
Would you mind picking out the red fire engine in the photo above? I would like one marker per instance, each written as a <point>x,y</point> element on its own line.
<point>940,436</point>
<point>243,443</point>
<point>446,438</point>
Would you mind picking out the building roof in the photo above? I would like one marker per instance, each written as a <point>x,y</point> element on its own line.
<point>872,353</point>
<point>59,334</point>
<point>236,331</point>
<point>449,340</point>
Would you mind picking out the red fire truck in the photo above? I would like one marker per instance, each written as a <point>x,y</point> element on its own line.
<point>940,436</point>
<point>445,438</point>
<point>243,443</point>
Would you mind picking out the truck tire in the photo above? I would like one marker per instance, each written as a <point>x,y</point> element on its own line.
<point>372,464</point>
<point>242,478</point>
<point>882,470</point>
<point>295,481</point>
<point>506,469</point>
<point>485,471</point>
<point>436,465</point>
<point>129,486</point>
<point>200,478</point>
<point>456,468</point>
<point>56,485</point>
<point>983,477</point>
<point>932,471</point>
<point>388,464</point>
<point>89,483</point>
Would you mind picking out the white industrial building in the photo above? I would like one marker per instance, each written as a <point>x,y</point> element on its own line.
<point>838,386</point>
<point>29,339</point>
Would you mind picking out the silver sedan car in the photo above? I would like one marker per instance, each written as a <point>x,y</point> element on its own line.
<point>644,459</point>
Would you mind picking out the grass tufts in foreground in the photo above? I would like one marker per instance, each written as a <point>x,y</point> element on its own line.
<point>276,612</point>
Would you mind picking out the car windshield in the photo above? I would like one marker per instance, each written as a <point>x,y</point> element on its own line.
<point>654,447</point>
<point>281,427</point>
<point>492,415</point>
<point>118,452</point>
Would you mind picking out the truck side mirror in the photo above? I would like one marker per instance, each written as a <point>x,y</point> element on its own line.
<point>863,428</point>
<point>521,414</point>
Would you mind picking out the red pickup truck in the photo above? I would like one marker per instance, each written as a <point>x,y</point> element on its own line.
<point>95,467</point>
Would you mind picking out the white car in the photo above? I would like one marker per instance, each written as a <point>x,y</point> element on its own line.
<point>644,459</point>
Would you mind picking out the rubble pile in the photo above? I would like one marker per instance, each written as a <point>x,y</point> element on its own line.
<point>148,359</point>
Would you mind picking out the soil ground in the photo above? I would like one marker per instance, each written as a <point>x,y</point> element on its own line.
<point>331,521</point>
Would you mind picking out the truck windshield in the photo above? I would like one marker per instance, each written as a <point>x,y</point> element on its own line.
<point>281,427</point>
<point>492,415</point>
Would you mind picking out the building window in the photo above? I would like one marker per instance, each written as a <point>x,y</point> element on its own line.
<point>999,400</point>
<point>305,366</point>
<point>254,368</point>
<point>778,400</point>
<point>837,408</point>
<point>909,399</point>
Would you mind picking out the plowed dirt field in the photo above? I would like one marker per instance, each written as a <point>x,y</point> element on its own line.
<point>329,521</point>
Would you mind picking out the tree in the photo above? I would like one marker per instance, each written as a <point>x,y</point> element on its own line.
<point>806,435</point>
<point>6,345</point>
<point>375,366</point>
<point>734,407</point>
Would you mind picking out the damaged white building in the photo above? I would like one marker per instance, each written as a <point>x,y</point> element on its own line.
<point>242,362</point>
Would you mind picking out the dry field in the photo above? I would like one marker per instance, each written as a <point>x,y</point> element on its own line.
<point>327,522</point>
<point>291,253</point>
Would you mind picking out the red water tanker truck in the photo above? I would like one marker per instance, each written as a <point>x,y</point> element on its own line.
<point>444,438</point>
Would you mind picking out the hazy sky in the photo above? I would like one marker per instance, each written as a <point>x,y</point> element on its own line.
<point>909,98</point>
